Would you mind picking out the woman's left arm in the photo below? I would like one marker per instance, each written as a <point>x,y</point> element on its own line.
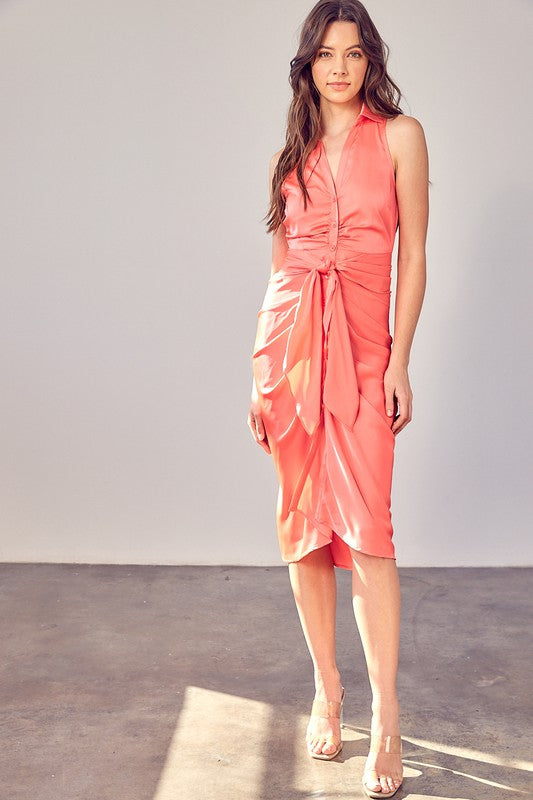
<point>409,153</point>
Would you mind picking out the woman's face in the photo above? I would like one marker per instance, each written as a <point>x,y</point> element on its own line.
<point>339,60</point>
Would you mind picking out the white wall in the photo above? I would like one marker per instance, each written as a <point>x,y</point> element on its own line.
<point>135,142</point>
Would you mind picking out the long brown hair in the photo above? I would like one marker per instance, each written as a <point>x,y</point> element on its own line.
<point>379,92</point>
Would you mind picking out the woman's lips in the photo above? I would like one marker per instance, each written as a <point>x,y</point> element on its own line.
<point>338,86</point>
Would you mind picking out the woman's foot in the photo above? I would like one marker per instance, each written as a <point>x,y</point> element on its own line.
<point>384,771</point>
<point>324,732</point>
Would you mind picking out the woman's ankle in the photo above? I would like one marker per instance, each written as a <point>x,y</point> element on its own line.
<point>327,681</point>
<point>388,697</point>
<point>385,714</point>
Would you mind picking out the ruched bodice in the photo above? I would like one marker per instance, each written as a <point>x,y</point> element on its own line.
<point>322,347</point>
<point>360,211</point>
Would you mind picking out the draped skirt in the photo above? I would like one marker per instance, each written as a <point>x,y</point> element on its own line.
<point>321,350</point>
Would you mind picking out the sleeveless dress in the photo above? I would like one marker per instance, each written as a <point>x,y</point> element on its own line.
<point>322,347</point>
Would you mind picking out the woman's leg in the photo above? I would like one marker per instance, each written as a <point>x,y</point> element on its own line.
<point>376,603</point>
<point>315,591</point>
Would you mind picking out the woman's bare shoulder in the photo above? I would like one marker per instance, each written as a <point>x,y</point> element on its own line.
<point>405,127</point>
<point>405,136</point>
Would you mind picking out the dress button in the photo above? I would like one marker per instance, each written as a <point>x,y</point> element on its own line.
<point>332,247</point>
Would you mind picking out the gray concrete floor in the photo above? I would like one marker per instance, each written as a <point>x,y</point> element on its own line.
<point>158,682</point>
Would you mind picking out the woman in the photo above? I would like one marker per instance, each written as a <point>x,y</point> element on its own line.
<point>329,394</point>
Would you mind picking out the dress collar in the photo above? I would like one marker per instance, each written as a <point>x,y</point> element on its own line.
<point>366,112</point>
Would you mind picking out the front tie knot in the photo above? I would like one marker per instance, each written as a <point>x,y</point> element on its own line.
<point>325,265</point>
<point>318,361</point>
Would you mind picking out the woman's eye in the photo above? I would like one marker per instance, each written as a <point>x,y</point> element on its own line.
<point>326,53</point>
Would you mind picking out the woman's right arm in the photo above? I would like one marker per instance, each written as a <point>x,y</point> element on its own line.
<point>279,240</point>
<point>279,249</point>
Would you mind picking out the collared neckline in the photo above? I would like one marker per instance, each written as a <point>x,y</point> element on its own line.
<point>366,112</point>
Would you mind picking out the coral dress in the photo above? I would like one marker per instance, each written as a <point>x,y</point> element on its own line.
<point>321,350</point>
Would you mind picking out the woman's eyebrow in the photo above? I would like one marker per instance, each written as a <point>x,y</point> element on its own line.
<point>325,47</point>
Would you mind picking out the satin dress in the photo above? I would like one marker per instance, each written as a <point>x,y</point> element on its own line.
<point>322,347</point>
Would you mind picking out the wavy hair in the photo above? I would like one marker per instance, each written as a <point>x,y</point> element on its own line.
<point>379,92</point>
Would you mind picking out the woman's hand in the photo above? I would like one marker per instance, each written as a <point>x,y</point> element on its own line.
<point>398,391</point>
<point>255,422</point>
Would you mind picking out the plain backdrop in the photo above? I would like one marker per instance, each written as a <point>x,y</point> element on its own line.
<point>135,143</point>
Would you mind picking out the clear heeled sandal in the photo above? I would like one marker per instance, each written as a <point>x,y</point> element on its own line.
<point>324,709</point>
<point>382,744</point>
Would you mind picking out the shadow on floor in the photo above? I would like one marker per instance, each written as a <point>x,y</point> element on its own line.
<point>159,682</point>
